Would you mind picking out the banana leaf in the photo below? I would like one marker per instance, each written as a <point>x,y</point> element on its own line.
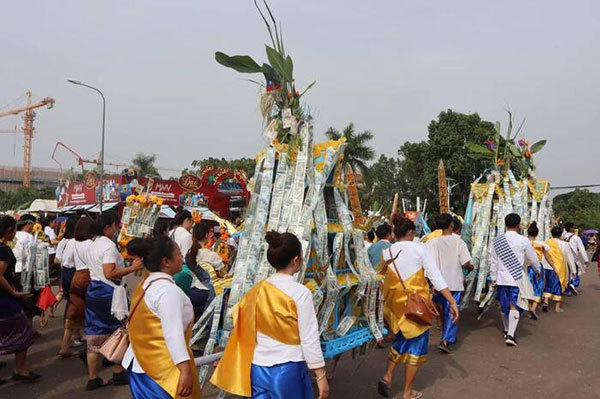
<point>537,146</point>
<point>270,73</point>
<point>241,63</point>
<point>516,151</point>
<point>278,63</point>
<point>479,149</point>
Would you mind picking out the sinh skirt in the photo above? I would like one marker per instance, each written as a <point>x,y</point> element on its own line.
<point>77,293</point>
<point>16,334</point>
<point>289,380</point>
<point>412,351</point>
<point>99,322</point>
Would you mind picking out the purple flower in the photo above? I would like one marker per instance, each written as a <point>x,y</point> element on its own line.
<point>490,145</point>
<point>522,143</point>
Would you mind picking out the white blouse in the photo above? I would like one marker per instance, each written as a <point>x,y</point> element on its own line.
<point>64,252</point>
<point>412,257</point>
<point>174,309</point>
<point>269,352</point>
<point>81,254</point>
<point>102,251</point>
<point>183,238</point>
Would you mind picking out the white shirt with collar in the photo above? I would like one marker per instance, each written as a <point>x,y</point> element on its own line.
<point>412,257</point>
<point>577,248</point>
<point>450,253</point>
<point>269,352</point>
<point>523,250</point>
<point>174,309</point>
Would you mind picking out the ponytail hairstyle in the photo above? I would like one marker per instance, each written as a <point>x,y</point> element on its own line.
<point>7,225</point>
<point>152,251</point>
<point>283,247</point>
<point>106,219</point>
<point>533,230</point>
<point>199,233</point>
<point>402,225</point>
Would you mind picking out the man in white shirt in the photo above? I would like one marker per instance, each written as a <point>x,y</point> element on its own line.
<point>451,255</point>
<point>510,252</point>
<point>579,254</point>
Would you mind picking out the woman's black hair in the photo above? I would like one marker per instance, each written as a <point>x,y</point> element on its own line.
<point>533,230</point>
<point>47,220</point>
<point>402,225</point>
<point>199,233</point>
<point>161,228</point>
<point>106,219</point>
<point>283,247</point>
<point>556,231</point>
<point>83,229</point>
<point>70,227</point>
<point>383,230</point>
<point>7,224</point>
<point>152,251</point>
<point>181,217</point>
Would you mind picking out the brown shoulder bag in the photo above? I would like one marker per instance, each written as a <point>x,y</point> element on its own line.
<point>418,309</point>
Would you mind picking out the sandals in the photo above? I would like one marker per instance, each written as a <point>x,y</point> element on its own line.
<point>97,383</point>
<point>383,388</point>
<point>31,377</point>
<point>120,378</point>
<point>416,394</point>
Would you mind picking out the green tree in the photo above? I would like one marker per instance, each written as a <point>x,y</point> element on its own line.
<point>447,140</point>
<point>245,164</point>
<point>357,152</point>
<point>414,173</point>
<point>24,196</point>
<point>581,207</point>
<point>381,183</point>
<point>145,165</point>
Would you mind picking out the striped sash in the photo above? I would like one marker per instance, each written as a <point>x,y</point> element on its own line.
<point>508,257</point>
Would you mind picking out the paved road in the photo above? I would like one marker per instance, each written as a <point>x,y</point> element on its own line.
<point>557,358</point>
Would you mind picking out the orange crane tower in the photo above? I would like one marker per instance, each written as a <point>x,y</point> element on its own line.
<point>28,130</point>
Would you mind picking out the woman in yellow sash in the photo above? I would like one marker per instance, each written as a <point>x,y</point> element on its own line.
<point>557,275</point>
<point>275,338</point>
<point>159,360</point>
<point>408,260</point>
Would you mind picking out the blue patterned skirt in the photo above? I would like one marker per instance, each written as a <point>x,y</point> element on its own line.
<point>411,351</point>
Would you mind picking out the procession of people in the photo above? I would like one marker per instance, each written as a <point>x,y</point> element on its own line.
<point>275,342</point>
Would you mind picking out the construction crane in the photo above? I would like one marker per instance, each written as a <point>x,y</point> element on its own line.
<point>28,130</point>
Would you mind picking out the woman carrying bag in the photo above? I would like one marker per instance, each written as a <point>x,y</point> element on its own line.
<point>159,360</point>
<point>407,303</point>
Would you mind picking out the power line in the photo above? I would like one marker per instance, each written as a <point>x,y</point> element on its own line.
<point>579,186</point>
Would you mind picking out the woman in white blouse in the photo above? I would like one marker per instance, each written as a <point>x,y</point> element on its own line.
<point>182,224</point>
<point>106,300</point>
<point>159,360</point>
<point>407,263</point>
<point>275,339</point>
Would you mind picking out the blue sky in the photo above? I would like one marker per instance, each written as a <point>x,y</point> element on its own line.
<point>388,66</point>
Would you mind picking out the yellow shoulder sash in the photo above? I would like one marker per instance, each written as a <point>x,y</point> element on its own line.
<point>559,261</point>
<point>264,308</point>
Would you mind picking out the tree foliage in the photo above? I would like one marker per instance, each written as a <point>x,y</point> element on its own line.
<point>581,207</point>
<point>144,163</point>
<point>23,197</point>
<point>414,173</point>
<point>245,164</point>
<point>358,152</point>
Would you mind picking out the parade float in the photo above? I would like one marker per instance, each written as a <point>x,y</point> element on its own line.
<point>494,195</point>
<point>305,188</point>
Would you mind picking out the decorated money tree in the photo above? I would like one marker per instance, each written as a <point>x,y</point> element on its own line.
<point>299,187</point>
<point>498,193</point>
